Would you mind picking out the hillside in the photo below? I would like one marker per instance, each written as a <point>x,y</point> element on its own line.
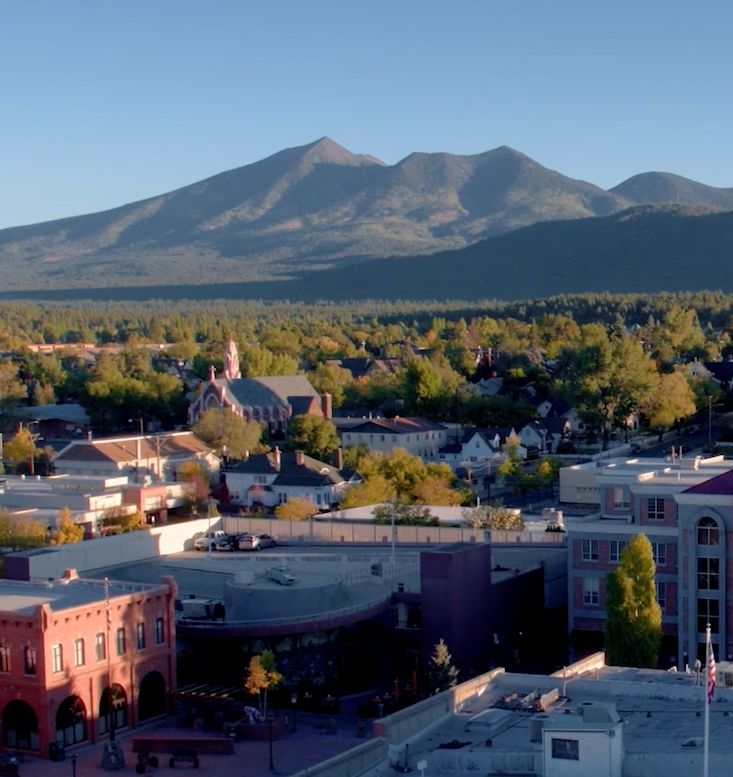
<point>645,249</point>
<point>660,188</point>
<point>313,206</point>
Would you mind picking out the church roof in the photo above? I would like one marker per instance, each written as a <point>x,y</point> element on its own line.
<point>272,390</point>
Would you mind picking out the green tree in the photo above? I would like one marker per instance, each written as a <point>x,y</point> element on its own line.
<point>331,379</point>
<point>295,510</point>
<point>607,379</point>
<point>404,515</point>
<point>633,625</point>
<point>228,432</point>
<point>442,674</point>
<point>262,676</point>
<point>672,401</point>
<point>313,435</point>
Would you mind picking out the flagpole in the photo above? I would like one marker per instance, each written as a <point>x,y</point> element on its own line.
<point>709,690</point>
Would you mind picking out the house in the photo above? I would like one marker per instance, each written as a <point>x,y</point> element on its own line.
<point>417,436</point>
<point>362,367</point>
<point>270,479</point>
<point>475,447</point>
<point>142,457</point>
<point>545,434</point>
<point>273,399</point>
<point>56,421</point>
<point>685,508</point>
<point>82,658</point>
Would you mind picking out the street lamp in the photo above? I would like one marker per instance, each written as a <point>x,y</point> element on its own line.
<point>73,765</point>
<point>294,702</point>
<point>269,736</point>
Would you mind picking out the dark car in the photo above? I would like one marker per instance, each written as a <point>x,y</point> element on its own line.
<point>256,542</point>
<point>227,543</point>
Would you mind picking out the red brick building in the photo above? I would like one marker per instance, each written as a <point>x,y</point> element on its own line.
<point>79,658</point>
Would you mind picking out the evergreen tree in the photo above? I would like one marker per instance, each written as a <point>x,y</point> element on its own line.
<point>633,626</point>
<point>441,672</point>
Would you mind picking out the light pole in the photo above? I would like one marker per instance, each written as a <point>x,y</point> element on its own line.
<point>269,737</point>
<point>73,765</point>
<point>294,702</point>
<point>710,421</point>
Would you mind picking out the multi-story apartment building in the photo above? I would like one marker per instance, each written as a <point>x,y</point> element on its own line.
<point>82,658</point>
<point>685,508</point>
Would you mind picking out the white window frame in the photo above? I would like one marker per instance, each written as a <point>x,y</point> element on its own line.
<point>615,547</point>
<point>591,591</point>
<point>589,551</point>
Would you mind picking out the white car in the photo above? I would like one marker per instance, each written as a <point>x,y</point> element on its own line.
<point>206,542</point>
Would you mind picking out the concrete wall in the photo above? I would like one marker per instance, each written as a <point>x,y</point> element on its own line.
<point>105,551</point>
<point>333,531</point>
<point>354,761</point>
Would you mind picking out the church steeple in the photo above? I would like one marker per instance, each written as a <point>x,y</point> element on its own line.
<point>231,361</point>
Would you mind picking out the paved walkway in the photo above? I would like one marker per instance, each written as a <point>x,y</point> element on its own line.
<point>294,751</point>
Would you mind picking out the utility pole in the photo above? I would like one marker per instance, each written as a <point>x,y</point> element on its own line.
<point>710,421</point>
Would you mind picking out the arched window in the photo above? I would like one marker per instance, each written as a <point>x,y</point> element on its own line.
<point>707,532</point>
<point>20,726</point>
<point>112,709</point>
<point>71,720</point>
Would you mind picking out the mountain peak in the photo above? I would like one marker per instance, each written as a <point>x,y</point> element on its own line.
<point>325,150</point>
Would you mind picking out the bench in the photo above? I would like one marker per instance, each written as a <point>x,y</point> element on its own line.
<point>168,744</point>
<point>184,754</point>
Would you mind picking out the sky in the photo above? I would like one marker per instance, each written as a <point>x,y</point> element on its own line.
<point>107,102</point>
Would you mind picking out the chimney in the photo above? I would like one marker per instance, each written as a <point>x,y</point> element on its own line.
<point>327,406</point>
<point>276,456</point>
<point>70,574</point>
<point>299,458</point>
<point>338,458</point>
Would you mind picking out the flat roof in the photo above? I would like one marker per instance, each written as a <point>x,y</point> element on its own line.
<point>22,596</point>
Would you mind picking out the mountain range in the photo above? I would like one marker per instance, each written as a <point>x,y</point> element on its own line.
<point>319,221</point>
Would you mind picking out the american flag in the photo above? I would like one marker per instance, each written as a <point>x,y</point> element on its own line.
<point>711,671</point>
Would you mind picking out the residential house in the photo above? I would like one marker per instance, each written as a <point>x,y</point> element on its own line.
<point>269,479</point>
<point>417,436</point>
<point>143,457</point>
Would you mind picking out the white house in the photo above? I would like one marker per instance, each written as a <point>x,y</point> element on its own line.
<point>269,479</point>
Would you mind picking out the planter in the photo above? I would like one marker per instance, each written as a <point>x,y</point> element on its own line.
<point>261,731</point>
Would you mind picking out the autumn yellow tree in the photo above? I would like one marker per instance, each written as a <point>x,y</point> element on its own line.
<point>66,530</point>
<point>262,676</point>
<point>296,510</point>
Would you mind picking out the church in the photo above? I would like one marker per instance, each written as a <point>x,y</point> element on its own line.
<point>273,399</point>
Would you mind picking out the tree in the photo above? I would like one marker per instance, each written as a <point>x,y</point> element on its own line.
<point>607,379</point>
<point>21,449</point>
<point>195,474</point>
<point>435,490</point>
<point>262,676</point>
<point>494,516</point>
<point>119,521</point>
<point>66,530</point>
<point>227,432</point>
<point>442,674</point>
<point>295,510</point>
<point>672,401</point>
<point>314,435</point>
<point>404,515</point>
<point>633,625</point>
<point>21,533</point>
<point>374,489</point>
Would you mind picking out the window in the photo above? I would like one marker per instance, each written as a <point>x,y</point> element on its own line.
<point>661,592</point>
<point>590,550</point>
<point>620,498</point>
<point>100,647</point>
<point>57,658</point>
<point>4,658</point>
<point>121,642</point>
<point>159,631</point>
<point>591,591</point>
<point>708,574</point>
<point>30,660</point>
<point>708,611</point>
<point>140,636</point>
<point>659,551</point>
<point>79,652</point>
<point>614,550</point>
<point>655,509</point>
<point>568,749</point>
<point>707,532</point>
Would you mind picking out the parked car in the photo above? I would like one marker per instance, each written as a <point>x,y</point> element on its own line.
<point>207,540</point>
<point>228,542</point>
<point>256,542</point>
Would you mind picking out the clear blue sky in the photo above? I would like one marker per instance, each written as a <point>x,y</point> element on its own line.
<point>103,102</point>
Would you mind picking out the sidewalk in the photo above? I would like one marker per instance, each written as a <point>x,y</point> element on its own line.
<point>309,745</point>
